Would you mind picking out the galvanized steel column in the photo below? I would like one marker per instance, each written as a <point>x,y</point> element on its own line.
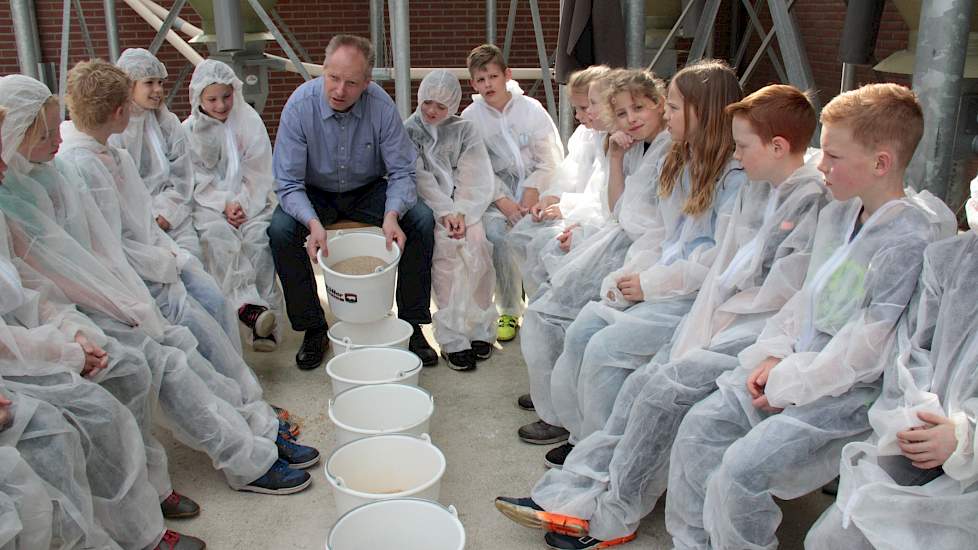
<point>111,29</point>
<point>25,31</point>
<point>635,33</point>
<point>401,40</point>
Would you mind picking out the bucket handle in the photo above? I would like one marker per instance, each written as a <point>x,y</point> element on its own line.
<point>347,343</point>
<point>452,510</point>
<point>335,480</point>
<point>410,371</point>
<point>426,438</point>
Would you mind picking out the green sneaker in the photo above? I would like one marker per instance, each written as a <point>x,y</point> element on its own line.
<point>507,328</point>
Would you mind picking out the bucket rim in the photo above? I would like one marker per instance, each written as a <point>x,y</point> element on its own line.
<point>424,439</point>
<point>351,346</point>
<point>452,512</point>
<point>399,429</point>
<point>404,374</point>
<point>390,265</point>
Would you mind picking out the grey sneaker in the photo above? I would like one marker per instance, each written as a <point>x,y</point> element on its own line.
<point>541,433</point>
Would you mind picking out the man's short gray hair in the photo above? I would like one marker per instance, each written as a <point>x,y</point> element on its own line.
<point>353,41</point>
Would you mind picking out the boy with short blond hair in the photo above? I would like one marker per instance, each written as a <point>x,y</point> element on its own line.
<point>525,149</point>
<point>778,421</point>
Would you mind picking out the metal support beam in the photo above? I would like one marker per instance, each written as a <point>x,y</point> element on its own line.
<point>171,17</point>
<point>83,26</point>
<point>510,25</point>
<point>63,62</point>
<point>111,29</point>
<point>491,21</point>
<point>760,52</point>
<point>303,53</point>
<point>704,32</point>
<point>378,32</point>
<point>25,29</point>
<point>270,25</point>
<point>566,116</point>
<point>635,33</point>
<point>548,85</point>
<point>738,57</point>
<point>401,42</point>
<point>177,86</point>
<point>670,36</point>
<point>792,49</point>
<point>756,25</point>
<point>941,48</point>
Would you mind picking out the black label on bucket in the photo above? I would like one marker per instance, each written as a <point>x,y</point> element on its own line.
<point>347,297</point>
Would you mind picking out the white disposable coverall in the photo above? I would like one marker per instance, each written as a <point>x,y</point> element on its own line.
<point>729,458</point>
<point>455,177</point>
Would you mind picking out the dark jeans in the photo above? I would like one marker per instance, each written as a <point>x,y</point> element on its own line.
<point>287,239</point>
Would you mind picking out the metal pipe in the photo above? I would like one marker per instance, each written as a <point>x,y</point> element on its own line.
<point>63,61</point>
<point>171,17</point>
<point>179,24</point>
<point>270,25</point>
<point>111,29</point>
<point>491,21</point>
<point>416,73</point>
<point>635,33</point>
<point>378,32</point>
<point>228,27</point>
<point>510,25</point>
<point>186,50</point>
<point>566,115</point>
<point>27,56</point>
<point>401,39</point>
<point>941,48</point>
<point>848,77</point>
<point>548,87</point>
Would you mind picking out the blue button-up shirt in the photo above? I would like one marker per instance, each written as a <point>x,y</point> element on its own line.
<point>335,152</point>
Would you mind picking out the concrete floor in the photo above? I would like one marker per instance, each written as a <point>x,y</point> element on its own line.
<point>474,425</point>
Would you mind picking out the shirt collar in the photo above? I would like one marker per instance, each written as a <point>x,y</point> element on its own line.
<point>356,110</point>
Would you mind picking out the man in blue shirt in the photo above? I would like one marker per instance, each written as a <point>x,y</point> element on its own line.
<point>341,152</point>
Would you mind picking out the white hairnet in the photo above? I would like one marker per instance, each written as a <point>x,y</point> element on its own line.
<point>140,64</point>
<point>441,86</point>
<point>212,71</point>
<point>23,97</point>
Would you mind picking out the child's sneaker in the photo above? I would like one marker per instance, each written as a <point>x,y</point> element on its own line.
<point>529,514</point>
<point>508,325</point>
<point>263,344</point>
<point>556,457</point>
<point>460,360</point>
<point>258,319</point>
<point>482,350</point>
<point>177,506</point>
<point>564,542</point>
<point>541,433</point>
<point>280,479</point>
<point>175,541</point>
<point>298,457</point>
<point>525,402</point>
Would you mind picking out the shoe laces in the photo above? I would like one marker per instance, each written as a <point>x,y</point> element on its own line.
<point>249,313</point>
<point>170,539</point>
<point>173,499</point>
<point>507,321</point>
<point>287,444</point>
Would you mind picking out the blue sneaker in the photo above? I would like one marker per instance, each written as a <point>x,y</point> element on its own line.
<point>298,457</point>
<point>280,479</point>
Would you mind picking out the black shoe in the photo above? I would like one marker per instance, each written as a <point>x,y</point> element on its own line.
<point>525,402</point>
<point>541,433</point>
<point>555,457</point>
<point>460,360</point>
<point>831,488</point>
<point>177,506</point>
<point>566,542</point>
<point>419,346</point>
<point>312,350</point>
<point>482,350</point>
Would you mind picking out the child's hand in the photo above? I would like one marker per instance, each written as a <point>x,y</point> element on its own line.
<point>454,224</point>
<point>758,380</point>
<point>565,237</point>
<point>546,209</point>
<point>163,223</point>
<point>510,209</point>
<point>931,445</point>
<point>96,358</point>
<point>631,287</point>
<point>530,197</point>
<point>235,214</point>
<point>618,143</point>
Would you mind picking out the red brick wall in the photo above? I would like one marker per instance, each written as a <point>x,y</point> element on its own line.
<point>442,33</point>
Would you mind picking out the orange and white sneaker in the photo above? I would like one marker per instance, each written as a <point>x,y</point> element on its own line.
<point>564,542</point>
<point>528,514</point>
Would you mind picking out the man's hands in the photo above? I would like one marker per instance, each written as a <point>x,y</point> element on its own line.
<point>631,287</point>
<point>510,209</point>
<point>758,380</point>
<point>392,230</point>
<point>564,238</point>
<point>235,214</point>
<point>163,223</point>
<point>930,445</point>
<point>546,208</point>
<point>96,358</point>
<point>316,240</point>
<point>455,224</point>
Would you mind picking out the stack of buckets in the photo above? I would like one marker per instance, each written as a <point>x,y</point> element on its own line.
<point>384,470</point>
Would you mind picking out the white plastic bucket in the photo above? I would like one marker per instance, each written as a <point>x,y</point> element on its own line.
<point>367,366</point>
<point>384,466</point>
<point>379,409</point>
<point>360,298</point>
<point>388,332</point>
<point>402,523</point>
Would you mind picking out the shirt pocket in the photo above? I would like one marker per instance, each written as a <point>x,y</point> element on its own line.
<point>365,161</point>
